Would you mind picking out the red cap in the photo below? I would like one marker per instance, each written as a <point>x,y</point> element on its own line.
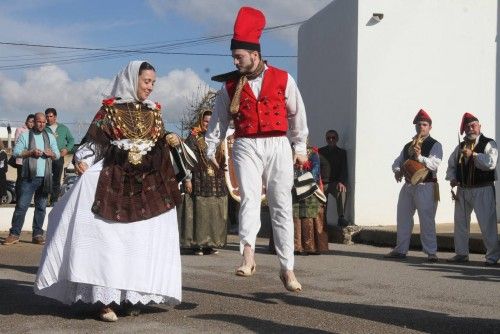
<point>422,116</point>
<point>247,29</point>
<point>466,119</point>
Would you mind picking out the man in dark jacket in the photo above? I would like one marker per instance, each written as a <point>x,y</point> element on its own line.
<point>333,168</point>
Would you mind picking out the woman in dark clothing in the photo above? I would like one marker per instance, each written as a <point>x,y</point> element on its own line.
<point>203,219</point>
<point>3,171</point>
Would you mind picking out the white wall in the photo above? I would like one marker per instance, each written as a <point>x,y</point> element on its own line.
<point>327,78</point>
<point>436,55</point>
<point>6,218</point>
<point>369,81</point>
<point>497,118</point>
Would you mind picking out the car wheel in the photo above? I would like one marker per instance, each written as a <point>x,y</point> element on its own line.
<point>7,199</point>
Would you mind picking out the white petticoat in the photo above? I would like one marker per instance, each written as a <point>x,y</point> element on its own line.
<point>95,260</point>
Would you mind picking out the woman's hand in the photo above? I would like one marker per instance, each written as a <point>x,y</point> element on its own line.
<point>173,139</point>
<point>188,186</point>
<point>81,167</point>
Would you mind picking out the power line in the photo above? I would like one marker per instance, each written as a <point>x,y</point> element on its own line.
<point>110,53</point>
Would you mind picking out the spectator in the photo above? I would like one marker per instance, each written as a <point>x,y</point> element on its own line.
<point>28,125</point>
<point>3,170</point>
<point>333,166</point>
<point>38,149</point>
<point>65,143</point>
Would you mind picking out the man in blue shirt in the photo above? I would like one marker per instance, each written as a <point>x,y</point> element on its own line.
<point>37,148</point>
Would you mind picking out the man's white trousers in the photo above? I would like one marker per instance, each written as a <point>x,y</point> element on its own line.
<point>267,161</point>
<point>482,201</point>
<point>418,198</point>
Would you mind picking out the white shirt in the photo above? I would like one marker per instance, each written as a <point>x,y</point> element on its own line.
<point>482,161</point>
<point>431,162</point>
<point>296,113</point>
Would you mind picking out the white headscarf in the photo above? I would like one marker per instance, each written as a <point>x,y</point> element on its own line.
<point>125,84</point>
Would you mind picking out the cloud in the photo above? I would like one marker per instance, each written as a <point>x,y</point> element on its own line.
<point>77,101</point>
<point>277,12</point>
<point>50,86</point>
<point>175,92</point>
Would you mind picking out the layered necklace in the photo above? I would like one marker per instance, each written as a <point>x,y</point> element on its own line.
<point>140,129</point>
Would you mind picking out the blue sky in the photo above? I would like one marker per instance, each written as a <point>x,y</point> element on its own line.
<point>76,88</point>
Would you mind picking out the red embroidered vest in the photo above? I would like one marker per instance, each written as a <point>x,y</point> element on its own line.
<point>265,115</point>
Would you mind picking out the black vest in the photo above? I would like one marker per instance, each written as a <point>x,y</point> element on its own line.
<point>425,150</point>
<point>473,175</point>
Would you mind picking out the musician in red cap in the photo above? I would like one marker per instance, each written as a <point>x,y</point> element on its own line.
<point>418,164</point>
<point>266,106</point>
<point>471,167</point>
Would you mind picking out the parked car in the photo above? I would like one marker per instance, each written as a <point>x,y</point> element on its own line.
<point>10,196</point>
<point>70,178</point>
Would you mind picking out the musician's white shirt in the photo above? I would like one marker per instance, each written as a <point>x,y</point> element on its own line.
<point>483,161</point>
<point>431,162</point>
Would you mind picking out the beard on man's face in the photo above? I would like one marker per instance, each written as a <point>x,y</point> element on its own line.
<point>245,69</point>
<point>471,136</point>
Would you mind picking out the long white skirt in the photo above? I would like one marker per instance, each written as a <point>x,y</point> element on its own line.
<point>94,260</point>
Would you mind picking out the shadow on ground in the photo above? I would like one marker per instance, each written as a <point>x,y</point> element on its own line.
<point>17,297</point>
<point>420,320</point>
<point>259,325</point>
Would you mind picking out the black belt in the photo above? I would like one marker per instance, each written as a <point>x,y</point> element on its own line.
<point>478,185</point>
<point>433,180</point>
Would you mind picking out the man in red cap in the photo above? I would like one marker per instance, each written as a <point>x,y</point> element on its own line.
<point>471,167</point>
<point>265,105</point>
<point>421,195</point>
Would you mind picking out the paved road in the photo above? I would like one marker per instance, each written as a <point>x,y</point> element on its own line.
<point>350,290</point>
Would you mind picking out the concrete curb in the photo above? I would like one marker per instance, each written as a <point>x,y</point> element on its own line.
<point>369,235</point>
<point>383,237</point>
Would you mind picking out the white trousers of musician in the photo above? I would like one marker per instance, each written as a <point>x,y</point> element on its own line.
<point>482,201</point>
<point>267,161</point>
<point>418,198</point>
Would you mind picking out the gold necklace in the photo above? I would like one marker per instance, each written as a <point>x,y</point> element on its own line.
<point>135,124</point>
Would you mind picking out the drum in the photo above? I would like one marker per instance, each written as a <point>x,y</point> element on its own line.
<point>414,171</point>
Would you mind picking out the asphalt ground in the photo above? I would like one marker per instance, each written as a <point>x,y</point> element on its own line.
<point>352,289</point>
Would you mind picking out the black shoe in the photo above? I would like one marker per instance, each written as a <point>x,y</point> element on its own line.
<point>210,251</point>
<point>490,263</point>
<point>342,222</point>
<point>432,258</point>
<point>458,259</point>
<point>395,255</point>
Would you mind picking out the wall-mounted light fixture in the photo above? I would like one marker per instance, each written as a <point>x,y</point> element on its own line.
<point>378,16</point>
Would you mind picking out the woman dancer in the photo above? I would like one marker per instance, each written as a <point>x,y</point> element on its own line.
<point>113,238</point>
